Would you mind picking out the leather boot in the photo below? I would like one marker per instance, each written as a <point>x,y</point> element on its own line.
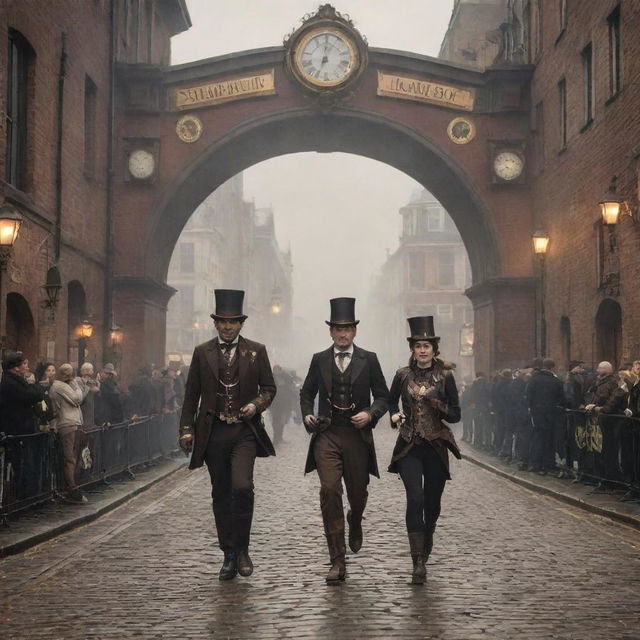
<point>245,566</point>
<point>337,551</point>
<point>229,568</point>
<point>428,541</point>
<point>355,533</point>
<point>417,546</point>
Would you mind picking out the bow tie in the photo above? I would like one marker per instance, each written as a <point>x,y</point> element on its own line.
<point>343,354</point>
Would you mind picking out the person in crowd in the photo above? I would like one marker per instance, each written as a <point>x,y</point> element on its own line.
<point>158,389</point>
<point>480,394</point>
<point>110,396</point>
<point>169,401</point>
<point>143,394</point>
<point>230,385</point>
<point>429,397</point>
<point>466,405</point>
<point>602,388</point>
<point>18,397</point>
<point>178,381</point>
<point>66,396</point>
<point>545,401</point>
<point>283,403</point>
<point>503,439</point>
<point>45,374</point>
<point>519,416</point>
<point>345,378</point>
<point>575,386</point>
<point>630,437</point>
<point>90,388</point>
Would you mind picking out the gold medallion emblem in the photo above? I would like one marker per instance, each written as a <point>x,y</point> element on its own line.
<point>461,130</point>
<point>189,128</point>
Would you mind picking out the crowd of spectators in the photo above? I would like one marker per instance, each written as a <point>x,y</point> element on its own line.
<point>54,399</point>
<point>542,420</point>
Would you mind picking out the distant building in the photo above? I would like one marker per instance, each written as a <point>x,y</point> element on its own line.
<point>426,275</point>
<point>474,37</point>
<point>229,244</point>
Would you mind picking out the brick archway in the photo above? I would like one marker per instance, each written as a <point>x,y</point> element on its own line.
<point>495,220</point>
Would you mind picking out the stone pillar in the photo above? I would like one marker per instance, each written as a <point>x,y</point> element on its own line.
<point>140,308</point>
<point>504,322</point>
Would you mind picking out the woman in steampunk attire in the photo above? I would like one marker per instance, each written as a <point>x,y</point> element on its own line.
<point>429,397</point>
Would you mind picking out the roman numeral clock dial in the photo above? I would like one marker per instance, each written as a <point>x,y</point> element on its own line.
<point>326,55</point>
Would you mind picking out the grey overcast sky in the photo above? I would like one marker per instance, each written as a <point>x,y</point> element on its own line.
<point>339,212</point>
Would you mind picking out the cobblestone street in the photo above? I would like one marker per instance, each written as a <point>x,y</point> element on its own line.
<point>507,564</point>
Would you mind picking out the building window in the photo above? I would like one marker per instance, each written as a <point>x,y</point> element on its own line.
<point>90,98</point>
<point>187,299</point>
<point>446,269</point>
<point>20,61</point>
<point>435,220</point>
<point>587,76</point>
<point>445,312</point>
<point>417,271</point>
<point>538,137</point>
<point>562,100</point>
<point>615,67</point>
<point>187,257</point>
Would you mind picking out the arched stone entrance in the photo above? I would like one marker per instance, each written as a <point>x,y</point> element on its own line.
<point>609,332</point>
<point>21,335</point>
<point>493,215</point>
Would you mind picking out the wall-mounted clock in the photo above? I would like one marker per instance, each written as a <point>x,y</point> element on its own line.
<point>141,159</point>
<point>508,163</point>
<point>326,54</point>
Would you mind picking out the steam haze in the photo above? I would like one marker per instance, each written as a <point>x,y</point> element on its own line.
<point>338,212</point>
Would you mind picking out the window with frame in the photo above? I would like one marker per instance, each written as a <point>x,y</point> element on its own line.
<point>435,220</point>
<point>446,269</point>
<point>187,257</point>
<point>562,102</point>
<point>587,83</point>
<point>90,100</point>
<point>19,62</point>
<point>417,271</point>
<point>615,66</point>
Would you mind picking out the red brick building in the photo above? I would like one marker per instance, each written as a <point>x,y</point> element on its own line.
<point>58,74</point>
<point>585,126</point>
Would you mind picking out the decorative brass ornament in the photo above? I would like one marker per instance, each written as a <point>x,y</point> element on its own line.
<point>461,131</point>
<point>189,128</point>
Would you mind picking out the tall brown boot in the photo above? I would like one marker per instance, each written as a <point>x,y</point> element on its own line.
<point>417,546</point>
<point>337,551</point>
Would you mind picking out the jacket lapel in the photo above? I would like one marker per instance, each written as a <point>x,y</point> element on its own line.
<point>358,363</point>
<point>242,354</point>
<point>212,352</point>
<point>326,366</point>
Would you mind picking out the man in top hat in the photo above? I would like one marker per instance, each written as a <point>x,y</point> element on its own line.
<point>344,377</point>
<point>229,385</point>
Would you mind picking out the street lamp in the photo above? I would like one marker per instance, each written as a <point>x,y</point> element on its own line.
<point>540,243</point>
<point>540,248</point>
<point>52,287</point>
<point>612,205</point>
<point>10,222</point>
<point>115,335</point>
<point>85,329</point>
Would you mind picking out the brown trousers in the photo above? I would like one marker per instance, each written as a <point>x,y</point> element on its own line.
<point>67,437</point>
<point>341,453</point>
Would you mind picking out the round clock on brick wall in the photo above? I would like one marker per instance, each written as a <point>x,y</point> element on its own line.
<point>141,164</point>
<point>508,165</point>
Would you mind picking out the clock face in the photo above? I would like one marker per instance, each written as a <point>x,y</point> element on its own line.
<point>141,164</point>
<point>326,57</point>
<point>508,165</point>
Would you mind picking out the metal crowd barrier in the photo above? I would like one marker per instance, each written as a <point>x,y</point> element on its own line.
<point>31,470</point>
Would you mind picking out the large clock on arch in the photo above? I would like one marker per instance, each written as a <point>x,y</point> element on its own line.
<point>326,54</point>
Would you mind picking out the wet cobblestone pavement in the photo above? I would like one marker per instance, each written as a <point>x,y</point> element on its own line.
<point>507,564</point>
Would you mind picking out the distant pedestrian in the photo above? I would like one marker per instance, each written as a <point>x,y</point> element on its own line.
<point>90,387</point>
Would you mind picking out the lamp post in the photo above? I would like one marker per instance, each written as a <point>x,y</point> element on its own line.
<point>115,340</point>
<point>540,247</point>
<point>52,288</point>
<point>84,331</point>
<point>10,222</point>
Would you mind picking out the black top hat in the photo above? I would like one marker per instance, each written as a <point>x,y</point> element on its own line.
<point>12,359</point>
<point>229,305</point>
<point>421,328</point>
<point>342,312</point>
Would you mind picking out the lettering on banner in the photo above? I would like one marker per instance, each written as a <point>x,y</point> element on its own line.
<point>212,93</point>
<point>405,88</point>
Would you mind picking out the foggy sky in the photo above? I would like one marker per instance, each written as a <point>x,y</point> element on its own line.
<point>338,212</point>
